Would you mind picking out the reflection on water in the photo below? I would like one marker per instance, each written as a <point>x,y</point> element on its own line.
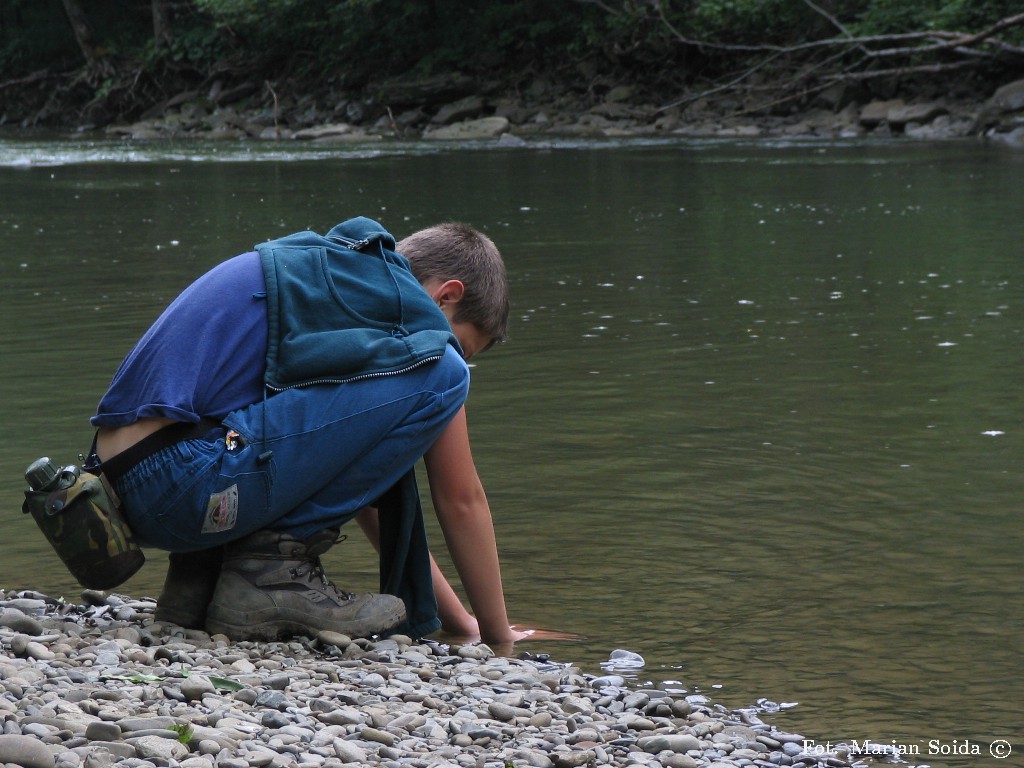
<point>758,419</point>
<point>45,152</point>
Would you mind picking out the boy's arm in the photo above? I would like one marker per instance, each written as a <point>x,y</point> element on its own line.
<point>455,619</point>
<point>465,518</point>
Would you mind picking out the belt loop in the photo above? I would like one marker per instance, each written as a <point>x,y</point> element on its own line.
<point>108,486</point>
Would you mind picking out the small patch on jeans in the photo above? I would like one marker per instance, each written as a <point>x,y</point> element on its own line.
<point>221,511</point>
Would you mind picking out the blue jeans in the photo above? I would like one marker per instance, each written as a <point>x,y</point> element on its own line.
<point>307,459</point>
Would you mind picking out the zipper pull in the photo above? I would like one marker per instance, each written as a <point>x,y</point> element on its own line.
<point>355,245</point>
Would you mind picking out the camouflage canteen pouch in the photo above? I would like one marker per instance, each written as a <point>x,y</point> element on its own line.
<point>81,518</point>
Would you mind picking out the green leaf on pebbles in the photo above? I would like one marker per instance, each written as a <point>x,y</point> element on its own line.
<point>138,677</point>
<point>227,684</point>
<point>184,731</point>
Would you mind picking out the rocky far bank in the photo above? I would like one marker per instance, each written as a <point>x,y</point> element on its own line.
<point>99,683</point>
<point>447,109</point>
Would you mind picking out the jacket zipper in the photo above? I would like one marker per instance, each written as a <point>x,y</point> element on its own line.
<point>360,377</point>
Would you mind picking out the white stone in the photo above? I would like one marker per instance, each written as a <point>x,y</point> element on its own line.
<point>483,128</point>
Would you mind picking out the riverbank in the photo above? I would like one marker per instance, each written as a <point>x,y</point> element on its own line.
<point>454,108</point>
<point>620,113</point>
<point>423,113</point>
<point>98,682</point>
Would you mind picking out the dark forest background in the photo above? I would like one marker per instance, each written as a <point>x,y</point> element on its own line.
<point>68,61</point>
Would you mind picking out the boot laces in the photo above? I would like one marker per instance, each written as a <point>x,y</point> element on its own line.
<point>312,569</point>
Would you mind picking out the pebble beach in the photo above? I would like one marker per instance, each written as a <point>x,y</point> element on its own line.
<point>97,682</point>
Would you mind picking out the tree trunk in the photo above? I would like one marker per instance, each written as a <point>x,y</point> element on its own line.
<point>162,23</point>
<point>83,35</point>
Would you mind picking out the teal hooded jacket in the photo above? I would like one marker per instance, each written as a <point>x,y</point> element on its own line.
<point>345,306</point>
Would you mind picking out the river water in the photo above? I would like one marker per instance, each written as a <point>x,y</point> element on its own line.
<point>758,420</point>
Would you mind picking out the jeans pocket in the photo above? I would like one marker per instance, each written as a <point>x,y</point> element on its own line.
<point>195,495</point>
<point>238,503</point>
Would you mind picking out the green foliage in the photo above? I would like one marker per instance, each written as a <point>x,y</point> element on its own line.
<point>200,45</point>
<point>105,87</point>
<point>311,33</point>
<point>386,37</point>
<point>226,684</point>
<point>185,732</point>
<point>476,34</point>
<point>196,44</point>
<point>975,15</point>
<point>247,12</point>
<point>30,40</point>
<point>137,677</point>
<point>885,17</point>
<point>621,29</point>
<point>747,22</point>
<point>359,41</point>
<point>882,17</point>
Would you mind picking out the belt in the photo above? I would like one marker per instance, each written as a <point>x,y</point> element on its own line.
<point>118,466</point>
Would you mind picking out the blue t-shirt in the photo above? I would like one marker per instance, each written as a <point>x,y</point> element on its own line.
<point>205,355</point>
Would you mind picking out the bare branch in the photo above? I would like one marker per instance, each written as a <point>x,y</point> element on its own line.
<point>845,57</point>
<point>918,69</point>
<point>680,37</point>
<point>35,77</point>
<point>955,40</point>
<point>1005,47</point>
<point>718,89</point>
<point>604,7</point>
<point>832,19</point>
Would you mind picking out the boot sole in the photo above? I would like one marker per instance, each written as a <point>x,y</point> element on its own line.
<point>275,624</point>
<point>181,618</point>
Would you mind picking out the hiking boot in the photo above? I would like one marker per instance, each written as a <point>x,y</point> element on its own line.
<point>188,587</point>
<point>272,585</point>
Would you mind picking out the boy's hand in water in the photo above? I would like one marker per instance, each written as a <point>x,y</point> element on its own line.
<point>543,634</point>
<point>523,634</point>
<point>517,633</point>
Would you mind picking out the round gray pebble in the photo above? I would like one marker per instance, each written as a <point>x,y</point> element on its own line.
<point>26,751</point>
<point>101,730</point>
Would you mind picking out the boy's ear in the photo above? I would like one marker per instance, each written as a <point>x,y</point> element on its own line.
<point>448,292</point>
